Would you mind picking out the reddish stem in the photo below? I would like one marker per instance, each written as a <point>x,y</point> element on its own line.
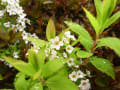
<point>95,43</point>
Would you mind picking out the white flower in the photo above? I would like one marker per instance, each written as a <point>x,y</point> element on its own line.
<point>54,54</point>
<point>70,62</point>
<point>76,66</point>
<point>69,49</point>
<point>56,43</point>
<point>15,55</point>
<point>85,85</point>
<point>36,48</point>
<point>67,34</point>
<point>65,55</point>
<point>80,74</point>
<point>72,37</point>
<point>73,76</point>
<point>1,13</point>
<point>65,40</point>
<point>7,24</point>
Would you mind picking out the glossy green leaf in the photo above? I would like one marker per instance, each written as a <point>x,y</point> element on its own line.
<point>84,37</point>
<point>37,86</point>
<point>21,66</point>
<point>60,83</point>
<point>37,74</point>
<point>32,59</point>
<point>83,54</point>
<point>107,9</point>
<point>111,42</point>
<point>111,20</point>
<point>98,5</point>
<point>93,21</point>
<point>20,82</point>
<point>40,56</point>
<point>103,65</point>
<point>50,31</point>
<point>53,66</point>
<point>37,42</point>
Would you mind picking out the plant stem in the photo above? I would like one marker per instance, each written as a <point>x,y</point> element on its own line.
<point>95,43</point>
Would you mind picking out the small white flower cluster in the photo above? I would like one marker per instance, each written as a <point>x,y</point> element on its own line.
<point>25,36</point>
<point>14,9</point>
<point>56,45</point>
<point>71,63</point>
<point>74,76</point>
<point>84,83</point>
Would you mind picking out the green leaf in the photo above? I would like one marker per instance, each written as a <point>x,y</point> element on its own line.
<point>111,20</point>
<point>53,66</point>
<point>41,57</point>
<point>112,7</point>
<point>20,82</point>
<point>50,31</point>
<point>1,78</point>
<point>32,59</point>
<point>63,72</point>
<point>37,42</point>
<point>37,75</point>
<point>37,86</point>
<point>107,9</point>
<point>93,21</point>
<point>83,54</point>
<point>98,5</point>
<point>60,83</point>
<point>103,65</point>
<point>111,42</point>
<point>84,37</point>
<point>21,66</point>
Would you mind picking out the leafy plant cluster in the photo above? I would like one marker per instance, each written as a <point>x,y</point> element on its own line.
<point>44,72</point>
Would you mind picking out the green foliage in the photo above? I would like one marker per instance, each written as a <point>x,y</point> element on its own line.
<point>37,86</point>
<point>32,59</point>
<point>48,67</point>
<point>103,65</point>
<point>111,42</point>
<point>84,37</point>
<point>93,21</point>
<point>20,82</point>
<point>111,20</point>
<point>104,10</point>
<point>40,57</point>
<point>45,70</point>
<point>50,30</point>
<point>107,9</point>
<point>98,9</point>
<point>60,83</point>
<point>83,54</point>
<point>21,66</point>
<point>37,42</point>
